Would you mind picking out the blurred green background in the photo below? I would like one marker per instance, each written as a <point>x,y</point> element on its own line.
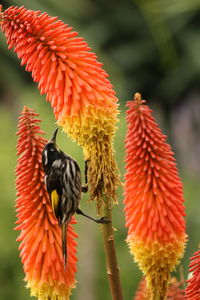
<point>147,46</point>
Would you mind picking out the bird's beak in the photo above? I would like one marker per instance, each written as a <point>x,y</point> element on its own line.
<point>53,139</point>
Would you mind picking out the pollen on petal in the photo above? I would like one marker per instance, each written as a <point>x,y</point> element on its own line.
<point>94,132</point>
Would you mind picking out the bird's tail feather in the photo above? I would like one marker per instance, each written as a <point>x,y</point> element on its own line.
<point>64,245</point>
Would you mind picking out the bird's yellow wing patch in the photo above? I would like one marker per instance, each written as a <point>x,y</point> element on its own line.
<point>54,200</point>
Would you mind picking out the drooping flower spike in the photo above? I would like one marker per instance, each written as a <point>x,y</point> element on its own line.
<point>153,199</point>
<point>40,237</point>
<point>193,289</point>
<point>75,84</point>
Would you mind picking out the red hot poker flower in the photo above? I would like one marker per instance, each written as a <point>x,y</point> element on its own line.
<point>60,61</point>
<point>153,199</point>
<point>40,237</point>
<point>193,289</point>
<point>75,84</point>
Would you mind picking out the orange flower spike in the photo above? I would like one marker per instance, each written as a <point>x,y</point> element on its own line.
<point>153,199</point>
<point>75,84</point>
<point>40,237</point>
<point>193,289</point>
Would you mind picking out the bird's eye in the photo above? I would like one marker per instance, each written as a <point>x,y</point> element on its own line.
<point>52,149</point>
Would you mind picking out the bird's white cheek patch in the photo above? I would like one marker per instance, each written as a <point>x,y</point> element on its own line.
<point>46,157</point>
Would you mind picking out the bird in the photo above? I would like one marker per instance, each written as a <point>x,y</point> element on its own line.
<point>64,185</point>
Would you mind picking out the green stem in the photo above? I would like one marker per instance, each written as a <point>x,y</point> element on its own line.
<point>111,258</point>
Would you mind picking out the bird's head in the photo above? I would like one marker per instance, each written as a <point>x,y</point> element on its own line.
<point>51,152</point>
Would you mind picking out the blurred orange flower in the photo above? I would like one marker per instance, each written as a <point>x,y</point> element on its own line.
<point>142,292</point>
<point>75,84</point>
<point>40,237</point>
<point>174,290</point>
<point>153,199</point>
<point>193,289</point>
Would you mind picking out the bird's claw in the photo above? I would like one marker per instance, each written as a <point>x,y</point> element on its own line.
<point>85,188</point>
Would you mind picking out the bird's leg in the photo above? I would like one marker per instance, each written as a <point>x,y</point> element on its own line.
<point>84,190</point>
<point>100,221</point>
<point>85,186</point>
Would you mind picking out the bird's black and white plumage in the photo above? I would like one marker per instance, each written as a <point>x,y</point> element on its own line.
<point>63,182</point>
<point>64,177</point>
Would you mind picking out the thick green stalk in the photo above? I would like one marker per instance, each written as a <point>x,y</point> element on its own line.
<point>111,258</point>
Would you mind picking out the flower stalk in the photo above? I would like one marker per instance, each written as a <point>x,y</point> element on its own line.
<point>111,257</point>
